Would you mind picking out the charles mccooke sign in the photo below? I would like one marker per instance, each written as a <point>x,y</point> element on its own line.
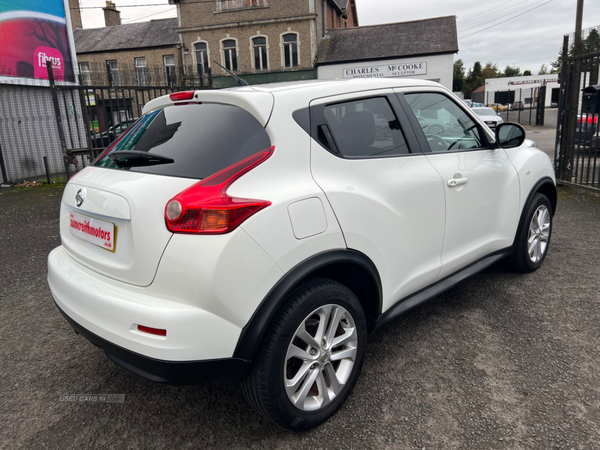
<point>389,70</point>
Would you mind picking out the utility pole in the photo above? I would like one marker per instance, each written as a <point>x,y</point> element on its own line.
<point>578,23</point>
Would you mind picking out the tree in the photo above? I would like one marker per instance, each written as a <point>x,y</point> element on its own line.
<point>592,43</point>
<point>490,70</point>
<point>527,73</point>
<point>543,70</point>
<point>512,72</point>
<point>474,79</point>
<point>458,78</point>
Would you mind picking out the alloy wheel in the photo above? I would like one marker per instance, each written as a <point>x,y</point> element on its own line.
<point>320,357</point>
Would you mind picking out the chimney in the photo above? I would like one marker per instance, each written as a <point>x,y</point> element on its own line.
<point>75,13</point>
<point>112,17</point>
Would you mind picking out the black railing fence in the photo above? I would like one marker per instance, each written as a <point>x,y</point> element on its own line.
<point>524,105</point>
<point>577,153</point>
<point>49,131</point>
<point>103,74</point>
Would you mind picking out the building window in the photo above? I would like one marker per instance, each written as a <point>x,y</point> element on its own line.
<point>113,72</point>
<point>290,50</point>
<point>259,45</point>
<point>141,71</point>
<point>86,76</point>
<point>201,54</point>
<point>170,73</point>
<point>225,5</point>
<point>230,54</point>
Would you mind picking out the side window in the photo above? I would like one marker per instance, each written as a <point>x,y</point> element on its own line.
<point>446,126</point>
<point>366,128</point>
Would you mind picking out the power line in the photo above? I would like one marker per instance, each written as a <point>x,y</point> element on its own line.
<point>487,12</point>
<point>145,5</point>
<point>498,18</point>
<point>150,15</point>
<point>514,17</point>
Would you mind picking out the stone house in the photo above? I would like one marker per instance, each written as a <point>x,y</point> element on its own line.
<point>262,40</point>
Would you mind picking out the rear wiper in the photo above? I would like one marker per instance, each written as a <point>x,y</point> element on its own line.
<point>135,158</point>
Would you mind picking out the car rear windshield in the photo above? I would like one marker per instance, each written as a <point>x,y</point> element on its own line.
<point>194,141</point>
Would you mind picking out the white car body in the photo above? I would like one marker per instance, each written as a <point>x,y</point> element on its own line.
<point>397,217</point>
<point>492,120</point>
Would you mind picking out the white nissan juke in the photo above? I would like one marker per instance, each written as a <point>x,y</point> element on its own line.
<point>258,234</point>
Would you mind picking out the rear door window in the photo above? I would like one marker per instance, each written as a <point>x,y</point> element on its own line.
<point>200,139</point>
<point>366,128</point>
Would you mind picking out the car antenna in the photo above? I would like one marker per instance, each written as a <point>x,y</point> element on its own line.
<point>239,80</point>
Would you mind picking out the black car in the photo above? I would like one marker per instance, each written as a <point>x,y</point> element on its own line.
<point>104,139</point>
<point>586,132</point>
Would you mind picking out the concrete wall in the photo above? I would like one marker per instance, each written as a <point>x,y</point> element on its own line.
<point>439,68</point>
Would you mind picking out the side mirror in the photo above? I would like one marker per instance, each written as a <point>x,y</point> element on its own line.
<point>510,135</point>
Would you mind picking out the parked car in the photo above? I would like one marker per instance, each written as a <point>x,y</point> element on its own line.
<point>497,107</point>
<point>586,131</point>
<point>468,102</point>
<point>477,105</point>
<point>517,106</point>
<point>259,233</point>
<point>107,137</point>
<point>489,116</point>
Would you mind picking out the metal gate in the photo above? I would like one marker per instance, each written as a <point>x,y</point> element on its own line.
<point>577,151</point>
<point>48,134</point>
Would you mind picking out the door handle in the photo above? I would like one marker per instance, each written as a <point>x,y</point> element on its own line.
<point>457,182</point>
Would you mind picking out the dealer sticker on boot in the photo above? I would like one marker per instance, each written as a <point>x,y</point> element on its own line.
<point>97,232</point>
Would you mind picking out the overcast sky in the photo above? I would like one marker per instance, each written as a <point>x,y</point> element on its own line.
<point>523,33</point>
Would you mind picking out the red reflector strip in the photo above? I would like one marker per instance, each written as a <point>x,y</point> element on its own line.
<point>185,95</point>
<point>149,330</point>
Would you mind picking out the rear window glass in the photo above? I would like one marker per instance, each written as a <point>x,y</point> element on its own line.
<point>201,139</point>
<point>366,128</point>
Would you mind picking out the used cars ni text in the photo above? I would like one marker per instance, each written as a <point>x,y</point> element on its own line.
<point>258,234</point>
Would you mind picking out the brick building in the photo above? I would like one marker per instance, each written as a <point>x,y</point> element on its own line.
<point>263,40</point>
<point>137,54</point>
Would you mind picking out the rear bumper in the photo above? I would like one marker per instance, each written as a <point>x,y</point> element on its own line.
<point>174,372</point>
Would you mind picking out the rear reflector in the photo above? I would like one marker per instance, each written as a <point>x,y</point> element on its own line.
<point>185,95</point>
<point>205,207</point>
<point>156,331</point>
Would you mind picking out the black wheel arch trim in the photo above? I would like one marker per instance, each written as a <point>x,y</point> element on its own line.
<point>542,185</point>
<point>253,332</point>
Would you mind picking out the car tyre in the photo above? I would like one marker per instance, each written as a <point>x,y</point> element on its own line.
<point>533,236</point>
<point>311,356</point>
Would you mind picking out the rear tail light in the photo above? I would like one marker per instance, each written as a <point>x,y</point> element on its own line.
<point>205,207</point>
<point>185,95</point>
<point>588,119</point>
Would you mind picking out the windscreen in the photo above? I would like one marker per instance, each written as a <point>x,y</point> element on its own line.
<point>190,141</point>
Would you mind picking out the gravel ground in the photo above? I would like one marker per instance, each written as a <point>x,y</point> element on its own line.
<point>503,361</point>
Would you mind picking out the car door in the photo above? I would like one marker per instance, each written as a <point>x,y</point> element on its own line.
<point>481,185</point>
<point>387,197</point>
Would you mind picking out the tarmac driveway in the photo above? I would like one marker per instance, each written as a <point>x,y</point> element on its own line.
<point>502,361</point>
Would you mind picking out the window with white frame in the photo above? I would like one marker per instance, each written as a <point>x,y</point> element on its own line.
<point>201,53</point>
<point>170,73</point>
<point>225,5</point>
<point>141,71</point>
<point>84,71</point>
<point>113,71</point>
<point>259,45</point>
<point>230,54</point>
<point>290,50</point>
